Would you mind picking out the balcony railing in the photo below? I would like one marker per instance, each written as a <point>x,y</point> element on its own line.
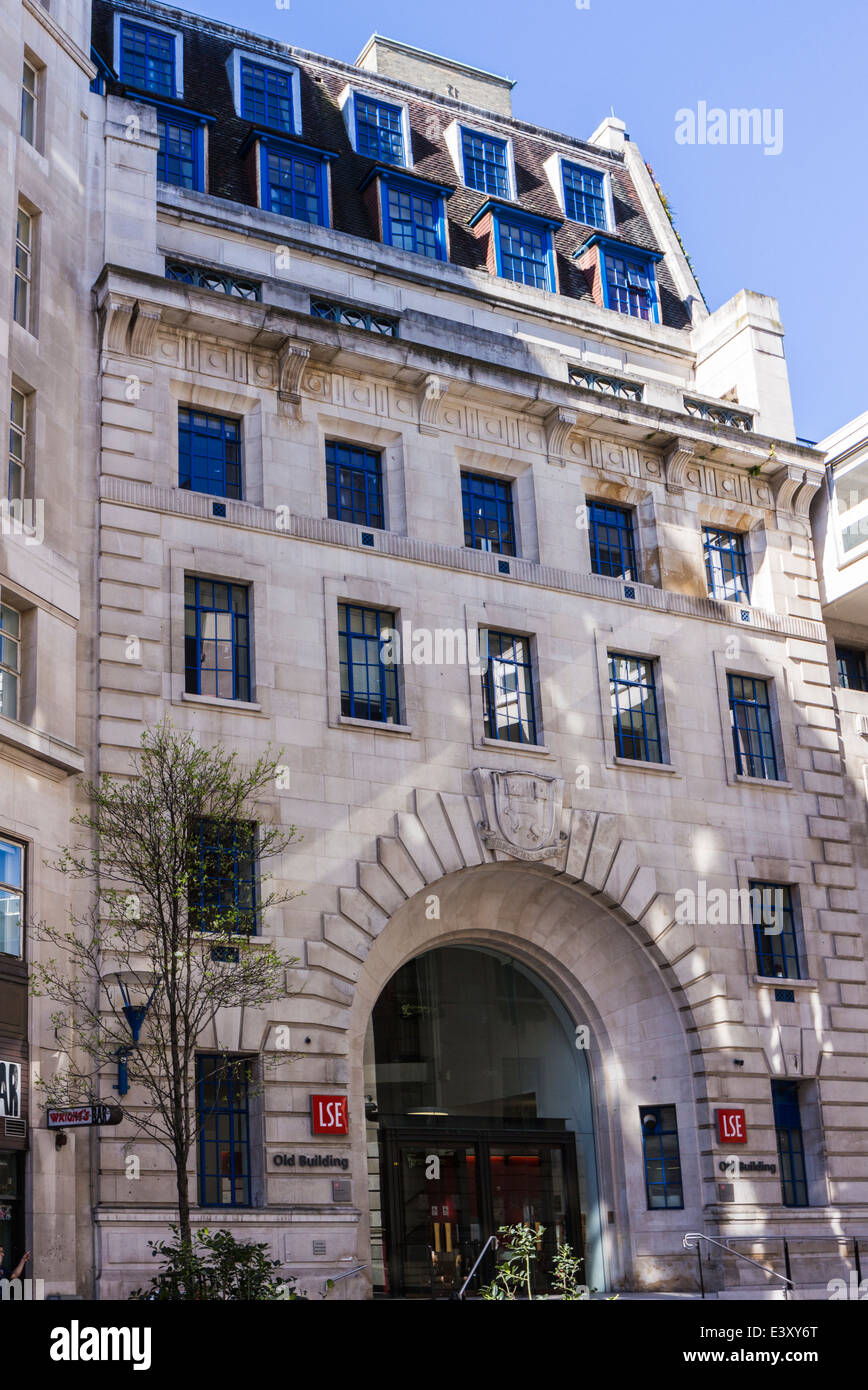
<point>607,385</point>
<point>719,414</point>
<point>208,279</point>
<point>354,318</point>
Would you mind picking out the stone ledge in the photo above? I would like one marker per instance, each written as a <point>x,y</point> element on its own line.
<point>325,531</point>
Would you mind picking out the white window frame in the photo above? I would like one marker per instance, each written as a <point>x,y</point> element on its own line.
<point>233,68</point>
<point>848,516</point>
<point>348,107</point>
<point>454,135</point>
<point>176,34</point>
<point>30,62</point>
<point>14,671</point>
<point>24,434</point>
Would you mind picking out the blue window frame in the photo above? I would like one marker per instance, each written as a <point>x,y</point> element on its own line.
<point>852,673</point>
<point>752,733</point>
<point>629,286</point>
<point>379,130</point>
<point>661,1157</point>
<point>354,484</point>
<point>293,181</point>
<point>224,889</point>
<point>774,929</point>
<point>634,708</point>
<point>11,897</point>
<point>725,564</point>
<point>508,711</point>
<point>791,1147</point>
<point>266,95</point>
<point>524,252</point>
<point>486,167</point>
<point>216,638</point>
<point>488,520</point>
<point>147,59</point>
<point>585,195</point>
<point>209,453</point>
<point>181,155</point>
<point>223,1117</point>
<point>610,531</point>
<point>414,217</point>
<point>369,685</point>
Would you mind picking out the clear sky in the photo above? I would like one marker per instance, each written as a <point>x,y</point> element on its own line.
<point>791,225</point>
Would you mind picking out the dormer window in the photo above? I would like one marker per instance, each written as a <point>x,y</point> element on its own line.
<point>149,59</point>
<point>411,211</point>
<point>379,130</point>
<point>486,163</point>
<point>266,96</point>
<point>621,276</point>
<point>585,195</point>
<point>293,179</point>
<point>520,244</point>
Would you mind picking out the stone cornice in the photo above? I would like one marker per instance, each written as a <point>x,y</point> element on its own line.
<point>62,39</point>
<point>323,531</point>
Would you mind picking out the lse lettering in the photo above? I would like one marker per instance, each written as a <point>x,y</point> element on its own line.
<point>329,1115</point>
<point>731,1127</point>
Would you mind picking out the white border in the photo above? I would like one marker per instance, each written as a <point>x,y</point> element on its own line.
<point>233,69</point>
<point>176,34</point>
<point>347,102</point>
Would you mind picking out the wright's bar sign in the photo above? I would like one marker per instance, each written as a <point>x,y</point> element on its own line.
<point>85,1115</point>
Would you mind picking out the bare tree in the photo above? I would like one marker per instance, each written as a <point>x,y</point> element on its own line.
<point>175,860</point>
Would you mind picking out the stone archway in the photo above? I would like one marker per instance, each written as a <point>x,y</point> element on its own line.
<point>588,918</point>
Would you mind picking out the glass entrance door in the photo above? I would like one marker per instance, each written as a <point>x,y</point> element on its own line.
<point>437,1211</point>
<point>447,1195</point>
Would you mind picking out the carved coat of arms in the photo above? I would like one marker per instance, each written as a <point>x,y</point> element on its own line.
<point>522,813</point>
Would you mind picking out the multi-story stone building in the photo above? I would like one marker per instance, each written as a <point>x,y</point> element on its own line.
<point>47,514</point>
<point>422,459</point>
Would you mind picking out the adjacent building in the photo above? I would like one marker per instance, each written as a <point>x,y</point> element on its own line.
<point>422,459</point>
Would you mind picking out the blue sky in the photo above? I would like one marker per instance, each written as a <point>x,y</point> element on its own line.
<point>791,225</point>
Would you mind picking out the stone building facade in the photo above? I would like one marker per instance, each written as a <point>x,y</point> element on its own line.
<point>374,354</point>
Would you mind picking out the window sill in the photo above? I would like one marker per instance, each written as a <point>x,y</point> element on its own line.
<point>505,745</point>
<point>770,782</point>
<point>216,702</point>
<point>40,745</point>
<point>639,765</point>
<point>785,982</point>
<point>346,721</point>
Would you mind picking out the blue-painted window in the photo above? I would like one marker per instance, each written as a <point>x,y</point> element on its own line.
<point>293,184</point>
<point>774,929</point>
<point>629,285</point>
<point>488,520</point>
<point>181,155</point>
<point>11,897</point>
<point>725,564</point>
<point>216,638</point>
<point>634,708</point>
<point>508,709</point>
<point>224,892</point>
<point>369,685</point>
<point>147,59</point>
<point>486,167</point>
<point>584,195</point>
<point>414,220</point>
<point>661,1156</point>
<point>791,1146</point>
<point>852,673</point>
<point>752,732</point>
<point>266,96</point>
<point>610,531</point>
<point>209,453</point>
<point>379,130</point>
<point>223,1118</point>
<point>524,250</point>
<point>354,484</point>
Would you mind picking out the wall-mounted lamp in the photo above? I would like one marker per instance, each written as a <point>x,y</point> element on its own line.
<point>135,1015</point>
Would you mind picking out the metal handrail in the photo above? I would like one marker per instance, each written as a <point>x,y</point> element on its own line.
<point>691,1242</point>
<point>492,1240</point>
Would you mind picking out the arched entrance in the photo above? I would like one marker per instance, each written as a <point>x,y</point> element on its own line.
<point>479,1109</point>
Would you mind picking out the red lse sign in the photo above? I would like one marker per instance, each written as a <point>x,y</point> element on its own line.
<point>731,1128</point>
<point>328,1115</point>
